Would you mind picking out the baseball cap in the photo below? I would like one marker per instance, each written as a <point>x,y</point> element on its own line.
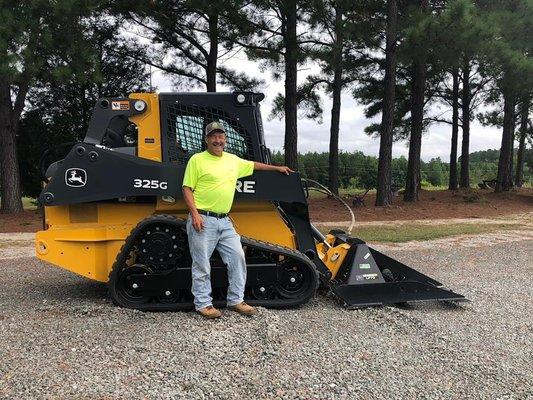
<point>214,126</point>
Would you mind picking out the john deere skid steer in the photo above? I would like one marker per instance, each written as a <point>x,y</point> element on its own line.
<point>113,212</point>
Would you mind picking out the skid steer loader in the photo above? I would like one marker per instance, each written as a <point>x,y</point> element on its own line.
<point>113,212</point>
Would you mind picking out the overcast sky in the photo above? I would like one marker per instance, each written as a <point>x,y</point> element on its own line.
<point>315,137</point>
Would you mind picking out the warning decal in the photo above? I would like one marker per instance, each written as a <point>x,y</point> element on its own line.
<point>120,105</point>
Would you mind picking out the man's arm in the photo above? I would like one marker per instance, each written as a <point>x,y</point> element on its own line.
<point>197,221</point>
<point>266,167</point>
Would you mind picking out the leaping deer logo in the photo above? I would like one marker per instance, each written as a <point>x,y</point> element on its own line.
<point>75,177</point>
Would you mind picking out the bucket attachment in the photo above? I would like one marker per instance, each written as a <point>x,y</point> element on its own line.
<point>368,278</point>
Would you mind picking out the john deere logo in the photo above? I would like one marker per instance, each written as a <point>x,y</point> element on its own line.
<point>75,177</point>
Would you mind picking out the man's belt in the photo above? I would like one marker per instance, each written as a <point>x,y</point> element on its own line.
<point>212,214</point>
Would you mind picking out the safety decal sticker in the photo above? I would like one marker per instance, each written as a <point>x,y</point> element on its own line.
<point>366,277</point>
<point>120,105</point>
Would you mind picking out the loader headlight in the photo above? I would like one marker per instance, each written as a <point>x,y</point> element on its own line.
<point>139,105</point>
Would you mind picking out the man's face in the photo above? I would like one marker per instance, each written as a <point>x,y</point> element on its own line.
<point>216,142</point>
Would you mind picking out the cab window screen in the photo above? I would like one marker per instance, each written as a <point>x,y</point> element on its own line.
<point>186,127</point>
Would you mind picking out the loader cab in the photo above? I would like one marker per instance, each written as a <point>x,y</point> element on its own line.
<point>169,127</point>
<point>185,116</point>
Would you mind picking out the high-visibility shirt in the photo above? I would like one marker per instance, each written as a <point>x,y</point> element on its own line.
<point>213,179</point>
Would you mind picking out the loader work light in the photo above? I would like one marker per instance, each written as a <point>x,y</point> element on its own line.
<point>139,105</point>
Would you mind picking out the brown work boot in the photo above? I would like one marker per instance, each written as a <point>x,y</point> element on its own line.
<point>210,312</point>
<point>244,309</point>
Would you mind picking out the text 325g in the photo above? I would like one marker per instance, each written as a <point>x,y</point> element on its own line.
<point>149,184</point>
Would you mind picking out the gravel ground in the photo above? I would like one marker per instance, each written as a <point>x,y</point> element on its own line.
<point>60,338</point>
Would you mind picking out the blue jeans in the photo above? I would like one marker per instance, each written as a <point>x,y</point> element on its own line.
<point>218,233</point>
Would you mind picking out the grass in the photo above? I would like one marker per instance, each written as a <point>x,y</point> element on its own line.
<point>407,232</point>
<point>29,203</point>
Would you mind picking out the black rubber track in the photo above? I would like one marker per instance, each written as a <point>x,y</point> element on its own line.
<point>155,305</point>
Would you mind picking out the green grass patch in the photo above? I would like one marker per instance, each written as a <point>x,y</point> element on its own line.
<point>29,203</point>
<point>428,186</point>
<point>421,232</point>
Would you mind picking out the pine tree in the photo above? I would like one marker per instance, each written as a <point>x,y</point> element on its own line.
<point>59,110</point>
<point>511,66</point>
<point>417,38</point>
<point>189,39</point>
<point>524,129</point>
<point>341,32</point>
<point>270,36</point>
<point>39,40</point>
<point>384,181</point>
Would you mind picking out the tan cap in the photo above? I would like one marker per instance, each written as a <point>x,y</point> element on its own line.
<point>214,126</point>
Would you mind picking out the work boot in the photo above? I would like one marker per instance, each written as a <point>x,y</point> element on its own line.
<point>210,312</point>
<point>244,309</point>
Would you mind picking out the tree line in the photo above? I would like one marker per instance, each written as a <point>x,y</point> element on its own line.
<point>359,171</point>
<point>414,63</point>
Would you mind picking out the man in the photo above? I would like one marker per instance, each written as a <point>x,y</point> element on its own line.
<point>208,189</point>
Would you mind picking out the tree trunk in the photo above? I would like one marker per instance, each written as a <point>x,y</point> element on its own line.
<point>504,179</point>
<point>519,177</point>
<point>291,101</point>
<point>455,131</point>
<point>336,108</point>
<point>511,167</point>
<point>211,70</point>
<point>417,116</point>
<point>384,190</point>
<point>10,177</point>
<point>465,148</point>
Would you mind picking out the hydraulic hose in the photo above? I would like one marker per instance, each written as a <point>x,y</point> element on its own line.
<point>323,189</point>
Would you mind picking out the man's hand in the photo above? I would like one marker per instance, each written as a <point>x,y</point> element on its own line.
<point>284,170</point>
<point>197,222</point>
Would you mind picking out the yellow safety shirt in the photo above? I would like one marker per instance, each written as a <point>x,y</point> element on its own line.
<point>213,179</point>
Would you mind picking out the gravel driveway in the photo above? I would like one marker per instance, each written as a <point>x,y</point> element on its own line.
<point>60,338</point>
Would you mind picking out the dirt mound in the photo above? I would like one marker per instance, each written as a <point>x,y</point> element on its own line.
<point>473,203</point>
<point>26,221</point>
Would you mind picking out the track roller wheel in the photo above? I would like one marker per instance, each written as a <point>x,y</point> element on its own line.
<point>263,292</point>
<point>170,297</point>
<point>126,291</point>
<point>294,280</point>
